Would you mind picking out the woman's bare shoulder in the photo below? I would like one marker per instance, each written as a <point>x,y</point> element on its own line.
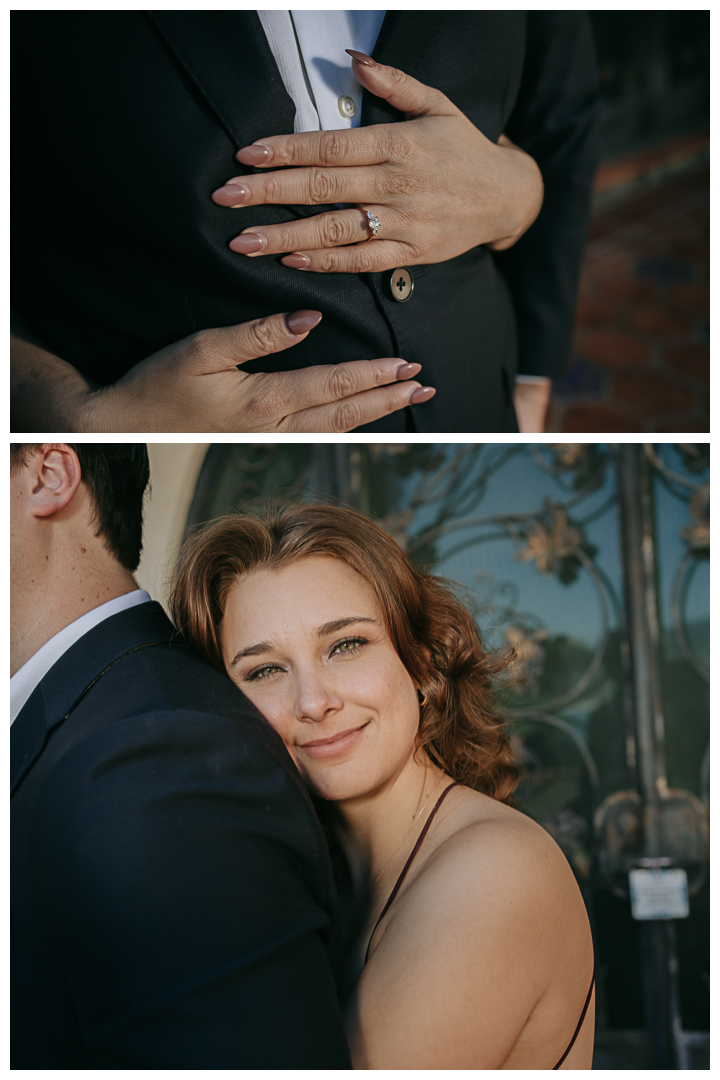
<point>481,832</point>
<point>492,926</point>
<point>489,857</point>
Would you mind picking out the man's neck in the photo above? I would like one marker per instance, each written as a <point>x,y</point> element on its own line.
<point>47,606</point>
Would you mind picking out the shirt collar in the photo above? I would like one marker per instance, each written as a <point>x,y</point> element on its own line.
<point>33,671</point>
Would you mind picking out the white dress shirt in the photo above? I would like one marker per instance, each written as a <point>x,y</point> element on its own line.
<point>30,674</point>
<point>309,50</point>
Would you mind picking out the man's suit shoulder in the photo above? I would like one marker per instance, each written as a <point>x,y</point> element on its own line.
<point>172,888</point>
<point>160,750</point>
<point>170,676</point>
<point>164,701</point>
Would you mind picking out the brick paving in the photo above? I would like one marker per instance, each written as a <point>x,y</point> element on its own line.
<point>641,351</point>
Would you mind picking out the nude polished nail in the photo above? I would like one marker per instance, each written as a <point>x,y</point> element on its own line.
<point>230,195</point>
<point>296,261</point>
<point>406,371</point>
<point>299,322</point>
<point>362,58</point>
<point>248,243</point>
<point>253,155</point>
<point>423,393</point>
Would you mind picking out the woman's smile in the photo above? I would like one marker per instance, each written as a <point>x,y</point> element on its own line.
<point>307,643</point>
<point>334,744</point>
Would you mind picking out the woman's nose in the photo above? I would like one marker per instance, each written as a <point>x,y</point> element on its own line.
<point>316,699</point>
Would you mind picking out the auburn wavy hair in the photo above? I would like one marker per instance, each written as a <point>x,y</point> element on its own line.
<point>433,633</point>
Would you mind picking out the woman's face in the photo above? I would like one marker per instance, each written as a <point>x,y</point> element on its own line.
<point>308,645</point>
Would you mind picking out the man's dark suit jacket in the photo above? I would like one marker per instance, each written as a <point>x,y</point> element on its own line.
<point>171,889</point>
<point>126,121</point>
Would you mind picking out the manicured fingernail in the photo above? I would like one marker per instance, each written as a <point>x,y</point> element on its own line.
<point>299,322</point>
<point>406,371</point>
<point>230,195</point>
<point>423,393</point>
<point>297,261</point>
<point>248,243</point>
<point>362,58</point>
<point>253,155</point>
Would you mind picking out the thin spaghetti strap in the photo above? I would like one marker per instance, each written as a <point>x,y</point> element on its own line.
<point>408,864</point>
<point>580,1023</point>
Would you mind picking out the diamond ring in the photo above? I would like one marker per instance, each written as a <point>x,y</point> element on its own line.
<point>373,221</point>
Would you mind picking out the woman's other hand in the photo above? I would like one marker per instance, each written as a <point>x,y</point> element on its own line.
<point>198,384</point>
<point>437,185</point>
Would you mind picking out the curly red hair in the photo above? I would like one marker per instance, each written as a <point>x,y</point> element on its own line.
<point>433,633</point>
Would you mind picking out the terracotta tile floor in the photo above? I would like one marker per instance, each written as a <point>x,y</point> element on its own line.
<point>641,353</point>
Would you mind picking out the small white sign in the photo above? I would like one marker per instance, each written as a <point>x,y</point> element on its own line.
<point>659,894</point>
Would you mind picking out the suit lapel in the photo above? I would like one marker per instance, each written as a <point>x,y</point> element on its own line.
<point>27,737</point>
<point>404,39</point>
<point>227,56</point>
<point>77,670</point>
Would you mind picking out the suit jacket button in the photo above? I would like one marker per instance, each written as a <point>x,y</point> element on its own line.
<point>401,284</point>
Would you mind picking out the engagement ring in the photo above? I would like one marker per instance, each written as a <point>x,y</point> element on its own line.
<point>373,221</point>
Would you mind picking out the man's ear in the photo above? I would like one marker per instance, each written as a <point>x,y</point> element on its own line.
<point>55,477</point>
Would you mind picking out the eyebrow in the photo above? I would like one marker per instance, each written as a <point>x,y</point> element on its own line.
<point>322,631</point>
<point>340,624</point>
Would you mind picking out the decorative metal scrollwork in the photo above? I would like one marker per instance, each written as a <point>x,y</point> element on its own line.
<point>555,543</point>
<point>550,540</point>
<point>681,822</point>
<point>679,816</point>
<point>696,536</point>
<point>528,655</point>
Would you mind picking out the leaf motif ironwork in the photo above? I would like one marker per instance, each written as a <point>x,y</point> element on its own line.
<point>549,542</point>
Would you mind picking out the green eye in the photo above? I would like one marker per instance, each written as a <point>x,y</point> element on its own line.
<point>348,645</point>
<point>261,672</point>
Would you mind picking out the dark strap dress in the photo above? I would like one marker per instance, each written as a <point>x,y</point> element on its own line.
<point>401,878</point>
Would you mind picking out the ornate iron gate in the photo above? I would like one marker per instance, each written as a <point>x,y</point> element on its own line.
<point>592,562</point>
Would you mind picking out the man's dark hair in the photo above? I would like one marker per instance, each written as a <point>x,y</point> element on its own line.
<point>116,475</point>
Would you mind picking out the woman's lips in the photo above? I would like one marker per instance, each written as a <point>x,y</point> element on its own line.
<point>336,744</point>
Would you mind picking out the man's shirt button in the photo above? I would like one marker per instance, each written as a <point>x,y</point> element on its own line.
<point>401,284</point>
<point>346,105</point>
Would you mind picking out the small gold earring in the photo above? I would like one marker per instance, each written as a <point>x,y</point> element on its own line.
<point>422,698</point>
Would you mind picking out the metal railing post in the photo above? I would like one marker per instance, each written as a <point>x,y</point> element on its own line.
<point>643,632</point>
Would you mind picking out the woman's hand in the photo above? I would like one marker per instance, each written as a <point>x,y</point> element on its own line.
<point>437,185</point>
<point>196,385</point>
